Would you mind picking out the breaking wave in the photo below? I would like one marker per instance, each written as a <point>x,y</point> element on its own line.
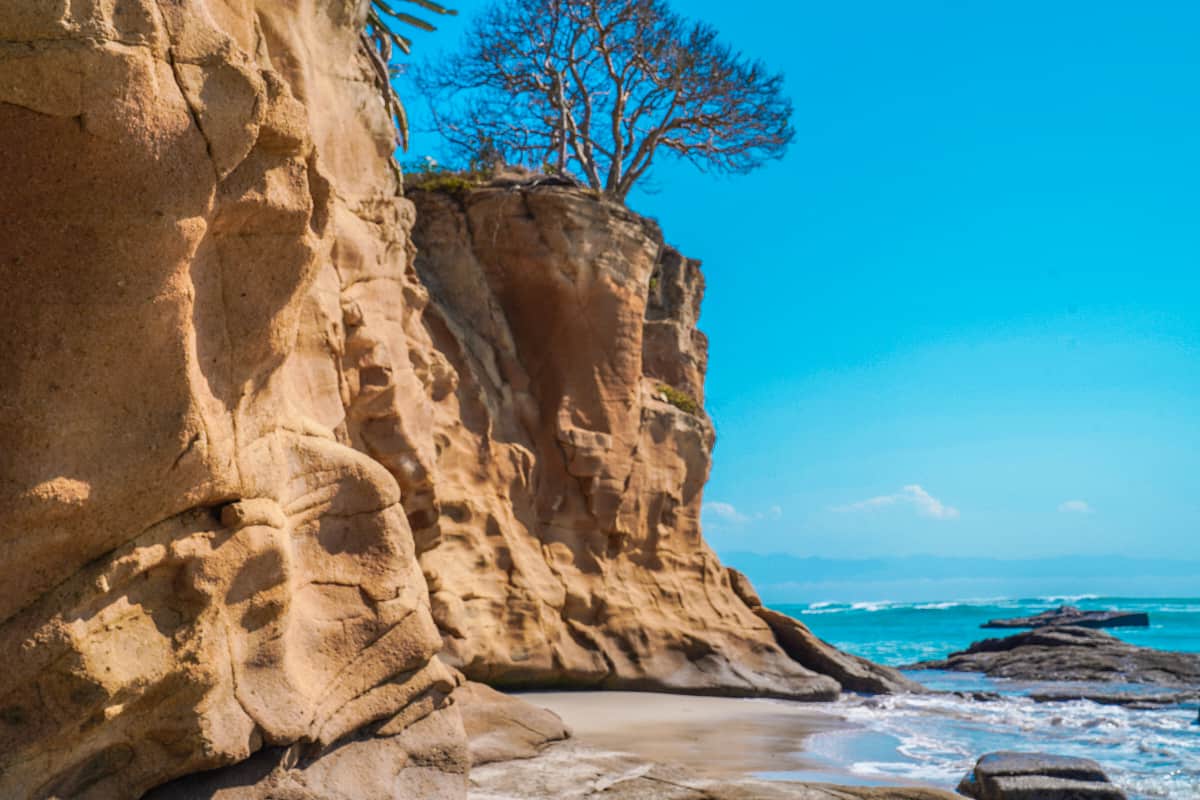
<point>1151,754</point>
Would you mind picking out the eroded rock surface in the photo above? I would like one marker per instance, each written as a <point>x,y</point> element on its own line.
<point>199,563</point>
<point>563,542</point>
<point>501,727</point>
<point>255,479</point>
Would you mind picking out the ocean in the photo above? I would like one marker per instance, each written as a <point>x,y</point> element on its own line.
<point>937,738</point>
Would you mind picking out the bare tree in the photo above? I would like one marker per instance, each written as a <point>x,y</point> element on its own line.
<point>602,87</point>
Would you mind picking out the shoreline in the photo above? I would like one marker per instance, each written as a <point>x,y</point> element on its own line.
<point>890,746</point>
<point>573,771</point>
<point>780,742</point>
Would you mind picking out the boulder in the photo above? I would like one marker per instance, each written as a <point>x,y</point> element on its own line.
<point>502,727</point>
<point>1037,776</point>
<point>1135,700</point>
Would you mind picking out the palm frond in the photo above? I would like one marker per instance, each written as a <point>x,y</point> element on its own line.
<point>378,41</point>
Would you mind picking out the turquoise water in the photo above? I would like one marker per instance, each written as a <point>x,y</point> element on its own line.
<point>936,738</point>
<point>904,633</point>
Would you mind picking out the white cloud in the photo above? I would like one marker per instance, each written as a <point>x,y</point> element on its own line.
<point>726,512</point>
<point>925,504</point>
<point>1075,507</point>
<point>717,512</point>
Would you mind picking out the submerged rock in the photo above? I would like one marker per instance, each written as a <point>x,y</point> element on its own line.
<point>1037,776</point>
<point>1070,615</point>
<point>1073,654</point>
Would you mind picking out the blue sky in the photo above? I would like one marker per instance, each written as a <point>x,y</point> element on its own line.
<point>962,317</point>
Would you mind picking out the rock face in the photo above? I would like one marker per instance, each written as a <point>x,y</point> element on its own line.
<point>853,673</point>
<point>1069,615</point>
<point>1036,776</point>
<point>557,502</point>
<point>199,230</point>
<point>1073,654</point>
<point>255,479</point>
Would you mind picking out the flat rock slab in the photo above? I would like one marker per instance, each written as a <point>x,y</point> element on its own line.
<point>1127,699</point>
<point>1070,615</point>
<point>1038,776</point>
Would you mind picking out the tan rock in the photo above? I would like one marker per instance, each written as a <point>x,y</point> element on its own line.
<point>255,479</point>
<point>199,564</point>
<point>501,727</point>
<point>855,674</point>
<point>560,526</point>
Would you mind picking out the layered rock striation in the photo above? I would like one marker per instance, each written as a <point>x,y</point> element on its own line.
<point>261,460</point>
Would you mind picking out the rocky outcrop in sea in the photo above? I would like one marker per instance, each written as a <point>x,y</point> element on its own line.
<point>1072,616</point>
<point>1073,654</point>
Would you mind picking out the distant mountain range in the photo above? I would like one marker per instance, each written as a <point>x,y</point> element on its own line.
<point>783,578</point>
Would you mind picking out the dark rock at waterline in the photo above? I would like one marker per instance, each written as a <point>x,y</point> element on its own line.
<point>1073,654</point>
<point>978,697</point>
<point>1070,615</point>
<point>1038,776</point>
<point>1134,700</point>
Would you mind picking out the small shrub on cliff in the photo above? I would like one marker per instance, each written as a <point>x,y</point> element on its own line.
<point>679,398</point>
<point>428,175</point>
<point>600,88</point>
<point>447,182</point>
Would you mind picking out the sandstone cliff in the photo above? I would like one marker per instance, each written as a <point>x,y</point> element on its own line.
<point>564,544</point>
<point>262,459</point>
<point>197,214</point>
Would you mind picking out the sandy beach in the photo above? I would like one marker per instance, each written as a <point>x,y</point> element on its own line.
<point>634,744</point>
<point>716,736</point>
